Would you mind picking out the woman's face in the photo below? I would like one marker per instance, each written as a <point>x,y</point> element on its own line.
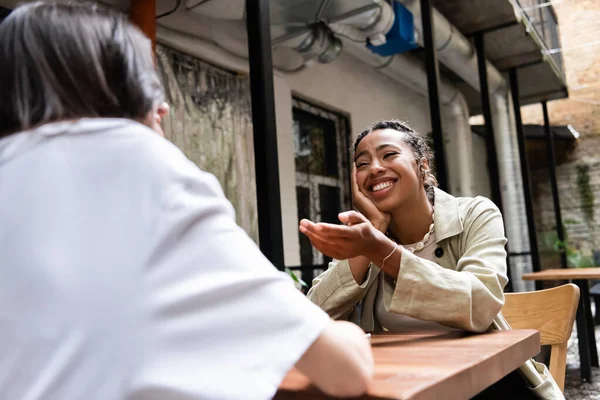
<point>386,169</point>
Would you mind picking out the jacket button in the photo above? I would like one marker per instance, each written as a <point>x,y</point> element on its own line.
<point>439,252</point>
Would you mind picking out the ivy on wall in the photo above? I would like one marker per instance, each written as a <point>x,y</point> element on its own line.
<point>586,195</point>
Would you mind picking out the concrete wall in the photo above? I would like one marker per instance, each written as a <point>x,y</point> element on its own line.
<point>579,23</point>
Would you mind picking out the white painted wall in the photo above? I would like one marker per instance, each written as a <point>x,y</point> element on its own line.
<point>358,90</point>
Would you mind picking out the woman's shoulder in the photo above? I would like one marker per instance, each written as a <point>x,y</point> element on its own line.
<point>480,203</point>
<point>464,204</point>
<point>479,212</point>
<point>144,156</point>
<point>150,152</point>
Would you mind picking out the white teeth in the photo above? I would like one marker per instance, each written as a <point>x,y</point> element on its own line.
<point>381,186</point>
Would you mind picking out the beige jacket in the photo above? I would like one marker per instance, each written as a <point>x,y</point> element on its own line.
<point>464,289</point>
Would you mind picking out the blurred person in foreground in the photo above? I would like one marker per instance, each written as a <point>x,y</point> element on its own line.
<point>123,273</point>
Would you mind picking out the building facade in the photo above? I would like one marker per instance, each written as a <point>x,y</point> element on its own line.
<point>340,65</point>
<point>578,172</point>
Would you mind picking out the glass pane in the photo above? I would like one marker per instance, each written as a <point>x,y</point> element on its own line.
<point>329,199</point>
<point>315,144</point>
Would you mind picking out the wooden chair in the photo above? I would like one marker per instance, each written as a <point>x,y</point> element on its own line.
<point>551,312</point>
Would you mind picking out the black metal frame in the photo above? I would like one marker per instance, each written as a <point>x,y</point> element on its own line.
<point>533,244</point>
<point>270,230</point>
<point>492,28</point>
<point>524,65</point>
<point>492,154</point>
<point>588,351</point>
<point>433,83</point>
<point>552,168</point>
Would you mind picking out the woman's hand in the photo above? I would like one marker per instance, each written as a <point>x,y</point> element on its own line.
<point>379,219</point>
<point>357,237</point>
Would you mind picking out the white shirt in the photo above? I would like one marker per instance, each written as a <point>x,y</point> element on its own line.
<point>124,276</point>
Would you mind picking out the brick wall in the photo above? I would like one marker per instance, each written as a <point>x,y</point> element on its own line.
<point>579,24</point>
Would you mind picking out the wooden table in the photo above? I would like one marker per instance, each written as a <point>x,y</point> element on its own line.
<point>433,365</point>
<point>586,337</point>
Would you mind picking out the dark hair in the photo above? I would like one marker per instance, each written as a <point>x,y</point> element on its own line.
<point>418,146</point>
<point>71,60</point>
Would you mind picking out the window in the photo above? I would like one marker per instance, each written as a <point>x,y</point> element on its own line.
<point>322,170</point>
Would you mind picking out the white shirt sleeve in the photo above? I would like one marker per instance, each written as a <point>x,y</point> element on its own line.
<point>222,322</point>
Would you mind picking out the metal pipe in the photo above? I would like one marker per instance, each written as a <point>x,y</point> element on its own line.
<point>533,245</point>
<point>514,212</point>
<point>551,159</point>
<point>459,143</point>
<point>266,158</point>
<point>433,75</point>
<point>454,49</point>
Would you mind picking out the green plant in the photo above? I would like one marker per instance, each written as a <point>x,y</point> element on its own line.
<point>295,277</point>
<point>575,258</point>
<point>586,195</point>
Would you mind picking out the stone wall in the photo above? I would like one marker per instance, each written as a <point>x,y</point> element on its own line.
<point>213,126</point>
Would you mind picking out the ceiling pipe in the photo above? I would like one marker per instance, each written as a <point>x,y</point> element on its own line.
<point>511,188</point>
<point>228,35</point>
<point>455,51</point>
<point>315,44</point>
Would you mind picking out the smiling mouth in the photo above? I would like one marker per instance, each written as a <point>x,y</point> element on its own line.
<point>382,185</point>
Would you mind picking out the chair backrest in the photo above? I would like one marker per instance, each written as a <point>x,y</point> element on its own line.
<point>552,312</point>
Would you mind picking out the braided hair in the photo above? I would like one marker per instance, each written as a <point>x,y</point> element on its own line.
<point>418,146</point>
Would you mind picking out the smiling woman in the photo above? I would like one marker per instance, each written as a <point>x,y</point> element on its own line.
<point>407,266</point>
<point>412,257</point>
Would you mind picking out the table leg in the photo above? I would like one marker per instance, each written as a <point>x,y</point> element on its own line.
<point>582,336</point>
<point>589,320</point>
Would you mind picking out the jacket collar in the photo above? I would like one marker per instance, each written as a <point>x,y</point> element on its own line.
<point>447,216</point>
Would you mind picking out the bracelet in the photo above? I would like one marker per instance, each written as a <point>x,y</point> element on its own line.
<point>388,256</point>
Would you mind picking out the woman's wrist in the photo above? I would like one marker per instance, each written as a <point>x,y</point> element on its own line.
<point>387,255</point>
<point>382,248</point>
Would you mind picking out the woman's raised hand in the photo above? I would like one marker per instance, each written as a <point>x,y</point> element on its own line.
<point>379,219</point>
<point>357,237</point>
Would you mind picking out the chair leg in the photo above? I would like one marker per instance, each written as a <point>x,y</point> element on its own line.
<point>558,364</point>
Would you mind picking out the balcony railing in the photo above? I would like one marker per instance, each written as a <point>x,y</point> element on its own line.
<point>541,18</point>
